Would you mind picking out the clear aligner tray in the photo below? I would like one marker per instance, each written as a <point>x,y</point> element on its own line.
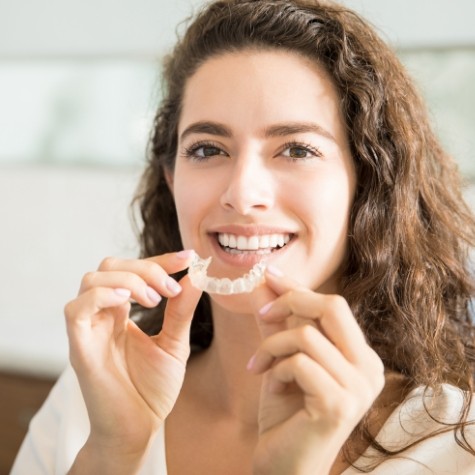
<point>200,279</point>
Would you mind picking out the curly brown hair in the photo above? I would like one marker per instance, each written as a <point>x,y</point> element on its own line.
<point>407,278</point>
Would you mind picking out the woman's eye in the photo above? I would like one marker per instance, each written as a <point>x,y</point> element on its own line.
<point>297,152</point>
<point>300,152</point>
<point>204,151</point>
<point>207,151</point>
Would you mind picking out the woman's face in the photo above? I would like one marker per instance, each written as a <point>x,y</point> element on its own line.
<point>263,168</point>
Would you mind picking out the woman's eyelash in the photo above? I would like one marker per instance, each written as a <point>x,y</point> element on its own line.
<point>193,150</point>
<point>306,147</point>
<point>210,149</point>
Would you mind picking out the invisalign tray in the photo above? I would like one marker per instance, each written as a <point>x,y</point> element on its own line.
<point>247,283</point>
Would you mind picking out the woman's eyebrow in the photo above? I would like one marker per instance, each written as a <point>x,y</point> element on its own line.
<point>290,128</point>
<point>276,130</point>
<point>206,127</point>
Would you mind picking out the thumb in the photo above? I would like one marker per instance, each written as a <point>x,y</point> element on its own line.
<point>174,338</point>
<point>261,297</point>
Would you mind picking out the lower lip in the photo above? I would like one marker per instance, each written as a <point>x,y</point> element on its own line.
<point>245,260</point>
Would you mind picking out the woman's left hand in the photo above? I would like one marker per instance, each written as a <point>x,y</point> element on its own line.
<point>320,378</point>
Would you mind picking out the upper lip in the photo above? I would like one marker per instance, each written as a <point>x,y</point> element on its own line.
<point>250,230</point>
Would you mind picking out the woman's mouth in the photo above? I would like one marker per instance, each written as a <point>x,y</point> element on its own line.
<point>256,244</point>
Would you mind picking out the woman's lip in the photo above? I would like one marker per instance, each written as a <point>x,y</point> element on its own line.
<point>250,230</point>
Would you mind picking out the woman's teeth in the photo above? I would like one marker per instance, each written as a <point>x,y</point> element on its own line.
<point>265,243</point>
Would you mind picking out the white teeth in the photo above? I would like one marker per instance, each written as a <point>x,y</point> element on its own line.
<point>225,240</point>
<point>253,243</point>
<point>265,241</point>
<point>241,242</point>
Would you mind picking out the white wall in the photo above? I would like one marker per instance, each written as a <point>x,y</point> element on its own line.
<point>420,23</point>
<point>146,27</point>
<point>59,222</point>
<point>89,27</point>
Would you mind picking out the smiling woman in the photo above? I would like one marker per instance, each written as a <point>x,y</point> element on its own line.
<point>289,133</point>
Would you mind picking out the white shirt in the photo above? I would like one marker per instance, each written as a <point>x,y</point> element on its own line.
<point>61,427</point>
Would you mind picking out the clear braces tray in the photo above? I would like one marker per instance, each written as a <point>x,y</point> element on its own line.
<point>247,283</point>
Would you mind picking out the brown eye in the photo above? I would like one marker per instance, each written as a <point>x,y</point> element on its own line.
<point>297,152</point>
<point>204,151</point>
<point>208,151</point>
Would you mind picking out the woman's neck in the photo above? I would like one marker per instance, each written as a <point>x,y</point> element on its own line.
<point>220,371</point>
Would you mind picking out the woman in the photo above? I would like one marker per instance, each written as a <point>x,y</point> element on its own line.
<point>289,133</point>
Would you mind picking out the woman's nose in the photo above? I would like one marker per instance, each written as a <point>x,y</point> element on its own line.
<point>249,187</point>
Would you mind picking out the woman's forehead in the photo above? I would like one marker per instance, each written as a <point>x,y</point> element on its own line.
<point>263,87</point>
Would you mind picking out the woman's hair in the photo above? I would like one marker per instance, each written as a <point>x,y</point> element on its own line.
<point>407,278</point>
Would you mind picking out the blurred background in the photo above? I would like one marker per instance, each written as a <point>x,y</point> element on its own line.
<point>79,83</point>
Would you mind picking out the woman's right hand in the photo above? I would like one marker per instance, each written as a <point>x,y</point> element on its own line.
<point>129,380</point>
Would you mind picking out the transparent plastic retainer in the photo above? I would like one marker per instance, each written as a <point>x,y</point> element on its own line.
<point>212,285</point>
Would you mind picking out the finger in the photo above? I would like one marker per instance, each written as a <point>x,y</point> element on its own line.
<point>140,292</point>
<point>91,302</point>
<point>174,261</point>
<point>279,282</point>
<point>175,334</point>
<point>275,284</point>
<point>323,396</point>
<point>308,375</point>
<point>308,340</point>
<point>261,297</point>
<point>154,271</point>
<point>81,316</point>
<point>149,271</point>
<point>330,311</point>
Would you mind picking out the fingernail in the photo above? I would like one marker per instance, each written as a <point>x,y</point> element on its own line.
<point>185,254</point>
<point>123,292</point>
<point>273,270</point>
<point>266,308</point>
<point>173,286</point>
<point>250,363</point>
<point>153,295</point>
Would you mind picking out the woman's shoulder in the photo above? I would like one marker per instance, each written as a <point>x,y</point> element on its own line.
<point>427,425</point>
<point>445,402</point>
<point>426,411</point>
